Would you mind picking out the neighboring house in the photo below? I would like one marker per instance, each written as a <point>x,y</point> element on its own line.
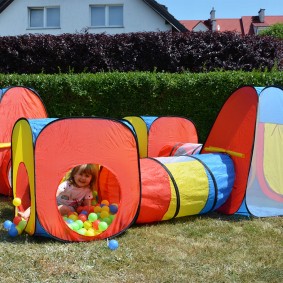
<point>244,25</point>
<point>94,16</point>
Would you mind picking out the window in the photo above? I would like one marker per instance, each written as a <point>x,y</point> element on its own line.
<point>44,17</point>
<point>106,16</point>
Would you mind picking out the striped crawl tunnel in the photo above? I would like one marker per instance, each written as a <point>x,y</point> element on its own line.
<point>184,185</point>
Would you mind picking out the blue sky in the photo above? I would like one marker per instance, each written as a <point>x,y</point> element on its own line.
<point>200,9</point>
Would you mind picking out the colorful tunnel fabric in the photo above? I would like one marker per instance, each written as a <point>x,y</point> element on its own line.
<point>181,186</point>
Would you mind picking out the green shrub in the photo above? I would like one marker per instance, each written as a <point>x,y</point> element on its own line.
<point>197,96</point>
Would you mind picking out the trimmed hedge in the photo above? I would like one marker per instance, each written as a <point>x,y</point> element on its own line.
<point>195,96</point>
<point>148,51</point>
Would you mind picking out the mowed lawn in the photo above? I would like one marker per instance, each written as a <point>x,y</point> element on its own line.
<point>207,248</point>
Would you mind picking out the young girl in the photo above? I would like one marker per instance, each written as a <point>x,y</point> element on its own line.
<point>76,190</point>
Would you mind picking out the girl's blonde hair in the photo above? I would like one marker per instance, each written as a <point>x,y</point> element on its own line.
<point>90,169</point>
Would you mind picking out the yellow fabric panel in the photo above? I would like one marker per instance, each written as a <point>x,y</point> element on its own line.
<point>272,160</point>
<point>22,152</point>
<point>193,186</point>
<point>173,203</point>
<point>141,131</point>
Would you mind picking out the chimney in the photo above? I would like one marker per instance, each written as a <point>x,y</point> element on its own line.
<point>212,19</point>
<point>261,14</point>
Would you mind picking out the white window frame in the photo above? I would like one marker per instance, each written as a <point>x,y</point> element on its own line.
<point>107,18</point>
<point>44,9</point>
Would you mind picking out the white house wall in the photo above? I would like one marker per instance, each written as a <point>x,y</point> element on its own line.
<point>75,17</point>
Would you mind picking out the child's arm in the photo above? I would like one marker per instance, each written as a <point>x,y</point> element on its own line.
<point>87,202</point>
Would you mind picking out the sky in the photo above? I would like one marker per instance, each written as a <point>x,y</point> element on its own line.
<point>200,9</point>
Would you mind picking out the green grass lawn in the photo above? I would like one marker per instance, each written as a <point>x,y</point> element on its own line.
<point>208,248</point>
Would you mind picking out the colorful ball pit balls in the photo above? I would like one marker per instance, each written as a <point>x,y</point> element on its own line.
<point>113,208</point>
<point>102,226</point>
<point>104,202</point>
<point>17,201</point>
<point>82,217</point>
<point>92,217</point>
<point>7,225</point>
<point>13,231</point>
<point>95,224</point>
<point>113,244</point>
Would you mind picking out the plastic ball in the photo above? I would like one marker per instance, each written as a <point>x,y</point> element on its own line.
<point>102,226</point>
<point>87,224</point>
<point>113,208</point>
<point>113,245</point>
<point>85,212</point>
<point>90,232</point>
<point>74,217</point>
<point>97,209</point>
<point>17,220</point>
<point>17,201</point>
<point>82,231</point>
<point>80,223</point>
<point>13,231</point>
<point>107,220</point>
<point>74,226</point>
<point>82,217</point>
<point>105,202</point>
<point>104,214</point>
<point>105,208</point>
<point>92,217</point>
<point>7,224</point>
<point>95,224</point>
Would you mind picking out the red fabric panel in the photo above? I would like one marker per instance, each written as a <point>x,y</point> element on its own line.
<point>17,102</point>
<point>234,130</point>
<point>66,143</point>
<point>167,130</point>
<point>109,187</point>
<point>156,191</point>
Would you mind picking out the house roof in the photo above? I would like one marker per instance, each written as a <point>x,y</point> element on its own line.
<point>163,12</point>
<point>244,25</point>
<point>4,4</point>
<point>158,8</point>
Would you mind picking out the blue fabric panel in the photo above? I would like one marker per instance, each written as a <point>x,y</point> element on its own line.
<point>222,168</point>
<point>271,105</point>
<point>39,231</point>
<point>259,89</point>
<point>37,125</point>
<point>243,209</point>
<point>149,120</point>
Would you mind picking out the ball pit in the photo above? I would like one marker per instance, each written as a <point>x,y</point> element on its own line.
<point>92,220</point>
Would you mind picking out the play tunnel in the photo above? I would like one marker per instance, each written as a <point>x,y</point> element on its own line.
<point>177,186</point>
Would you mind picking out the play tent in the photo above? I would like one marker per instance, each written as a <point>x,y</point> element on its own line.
<point>155,133</point>
<point>249,128</point>
<point>15,102</point>
<point>44,150</point>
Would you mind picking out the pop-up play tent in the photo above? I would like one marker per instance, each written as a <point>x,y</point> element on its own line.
<point>15,102</point>
<point>158,133</point>
<point>249,127</point>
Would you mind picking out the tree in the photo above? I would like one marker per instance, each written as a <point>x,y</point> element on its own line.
<point>275,30</point>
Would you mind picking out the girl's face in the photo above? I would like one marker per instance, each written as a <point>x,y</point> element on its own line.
<point>82,179</point>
